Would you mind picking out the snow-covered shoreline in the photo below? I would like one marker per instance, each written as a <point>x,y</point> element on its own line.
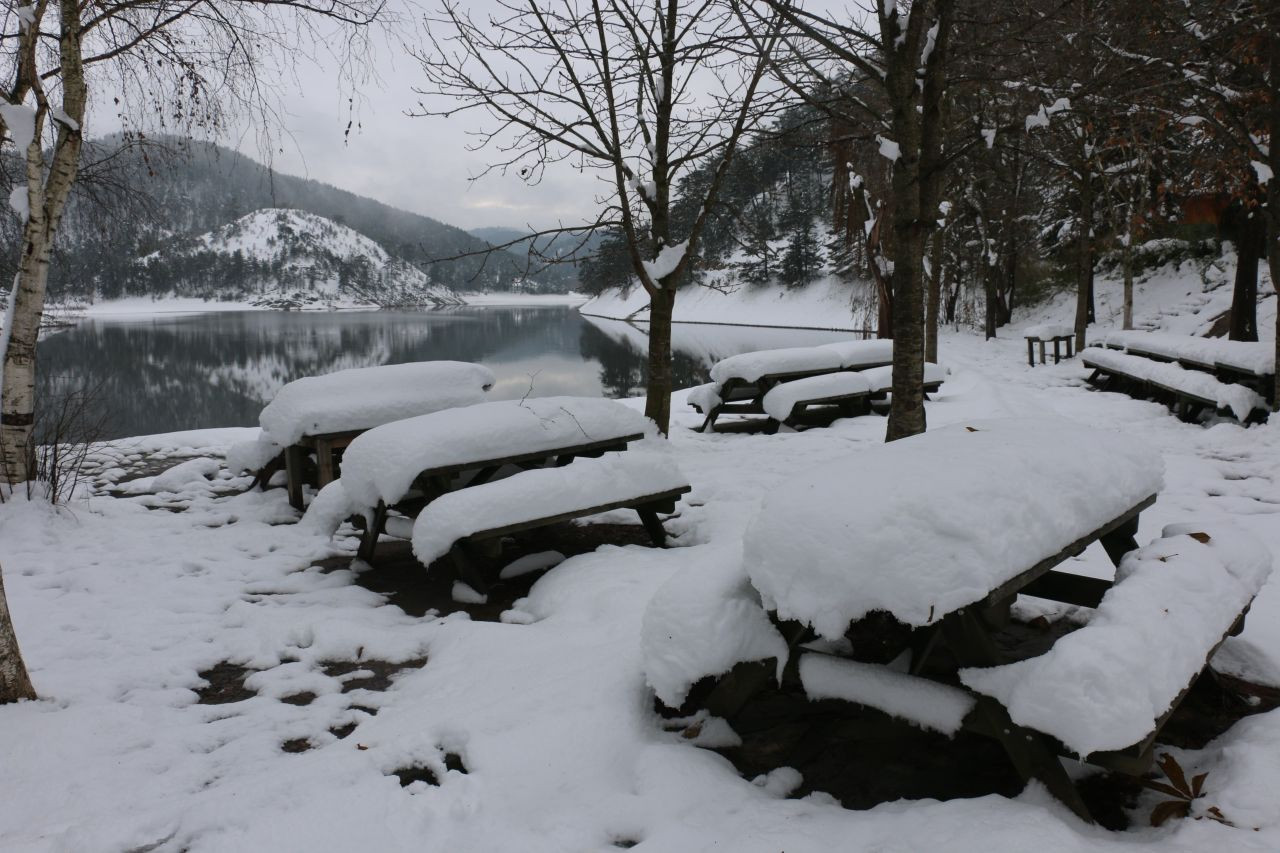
<point>826,304</point>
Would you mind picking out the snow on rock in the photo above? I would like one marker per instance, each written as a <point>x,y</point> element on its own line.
<point>1103,687</point>
<point>542,492</point>
<point>858,354</point>
<point>184,474</point>
<point>1046,331</point>
<point>252,455</point>
<point>365,397</point>
<point>927,704</point>
<point>881,378</point>
<point>781,399</point>
<point>701,622</point>
<point>382,463</point>
<point>906,527</point>
<point>750,366</point>
<point>705,397</point>
<point>1237,399</point>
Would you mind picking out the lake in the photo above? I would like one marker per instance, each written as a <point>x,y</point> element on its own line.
<point>172,372</point>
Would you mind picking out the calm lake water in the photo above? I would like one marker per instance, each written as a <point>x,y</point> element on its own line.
<point>164,373</point>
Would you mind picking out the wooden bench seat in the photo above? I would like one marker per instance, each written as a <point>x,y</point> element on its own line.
<point>1189,393</point>
<point>848,394</point>
<point>454,523</point>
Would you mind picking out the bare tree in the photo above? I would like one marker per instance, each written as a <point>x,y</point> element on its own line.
<point>185,59</point>
<point>897,50</point>
<point>639,92</point>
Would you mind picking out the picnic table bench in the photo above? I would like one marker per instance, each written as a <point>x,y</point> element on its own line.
<point>1189,393</point>
<point>317,417</point>
<point>1048,333</point>
<point>1245,363</point>
<point>912,543</point>
<point>485,471</point>
<point>740,383</point>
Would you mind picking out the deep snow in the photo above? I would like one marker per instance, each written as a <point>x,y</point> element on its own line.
<point>119,604</point>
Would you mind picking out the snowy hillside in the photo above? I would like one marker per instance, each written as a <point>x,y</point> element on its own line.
<point>284,258</point>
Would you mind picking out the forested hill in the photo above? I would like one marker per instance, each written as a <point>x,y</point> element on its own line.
<point>139,200</point>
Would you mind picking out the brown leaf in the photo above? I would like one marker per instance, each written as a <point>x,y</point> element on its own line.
<point>1162,788</point>
<point>1197,784</point>
<point>1168,809</point>
<point>970,429</point>
<point>1202,538</point>
<point>361,746</point>
<point>692,732</point>
<point>1173,770</point>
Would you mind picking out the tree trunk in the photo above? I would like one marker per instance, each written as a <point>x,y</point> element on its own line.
<point>1250,245</point>
<point>1127,261</point>
<point>657,406</point>
<point>934,300</point>
<point>1084,258</point>
<point>15,684</point>
<point>1273,185</point>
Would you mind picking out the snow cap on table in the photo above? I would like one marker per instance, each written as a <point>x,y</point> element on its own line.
<point>927,704</point>
<point>365,397</point>
<point>750,366</point>
<point>539,493</point>
<point>252,455</point>
<point>881,378</point>
<point>862,353</point>
<point>1258,358</point>
<point>781,399</point>
<point>1046,331</point>
<point>1104,686</point>
<point>701,622</point>
<point>925,525</point>
<point>704,397</point>
<point>1237,399</point>
<point>382,463</point>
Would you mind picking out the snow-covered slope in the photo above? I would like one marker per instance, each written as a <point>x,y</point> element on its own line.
<point>285,258</point>
<point>828,303</point>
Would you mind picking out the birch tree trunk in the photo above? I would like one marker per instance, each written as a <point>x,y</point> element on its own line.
<point>15,684</point>
<point>46,200</point>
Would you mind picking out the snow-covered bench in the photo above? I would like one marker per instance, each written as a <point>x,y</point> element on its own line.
<point>739,383</point>
<point>1049,333</point>
<point>881,379</point>
<point>405,465</point>
<point>453,523</point>
<point>1188,393</point>
<point>849,394</point>
<point>905,531</point>
<point>322,415</point>
<point>1250,364</point>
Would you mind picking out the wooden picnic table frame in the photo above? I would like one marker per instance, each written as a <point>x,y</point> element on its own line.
<point>326,447</point>
<point>966,636</point>
<point>741,397</point>
<point>431,483</point>
<point>1057,341</point>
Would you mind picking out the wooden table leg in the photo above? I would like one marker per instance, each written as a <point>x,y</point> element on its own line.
<point>1056,343</point>
<point>1031,353</point>
<point>1042,350</point>
<point>653,526</point>
<point>324,461</point>
<point>295,462</point>
<point>1071,342</point>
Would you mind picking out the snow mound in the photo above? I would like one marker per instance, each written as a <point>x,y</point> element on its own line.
<point>1104,686</point>
<point>781,400</point>
<point>252,455</point>
<point>701,622</point>
<point>854,354</point>
<point>704,397</point>
<point>907,527</point>
<point>543,492</point>
<point>365,397</point>
<point>1046,331</point>
<point>927,704</point>
<point>381,464</point>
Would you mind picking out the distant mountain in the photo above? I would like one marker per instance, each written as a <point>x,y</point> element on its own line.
<point>134,201</point>
<point>288,259</point>
<point>570,249</point>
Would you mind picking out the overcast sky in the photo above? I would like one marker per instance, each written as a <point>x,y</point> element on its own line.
<point>418,164</point>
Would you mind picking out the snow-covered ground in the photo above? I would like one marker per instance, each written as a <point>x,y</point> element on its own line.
<point>538,728</point>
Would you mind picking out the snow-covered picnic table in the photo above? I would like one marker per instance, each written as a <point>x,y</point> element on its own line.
<point>1048,333</point>
<point>741,383</point>
<point>469,472</point>
<point>931,533</point>
<point>1249,364</point>
<point>323,414</point>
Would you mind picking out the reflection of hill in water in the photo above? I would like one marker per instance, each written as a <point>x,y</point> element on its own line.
<point>162,374</point>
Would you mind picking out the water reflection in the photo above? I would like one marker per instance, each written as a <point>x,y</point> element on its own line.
<point>158,374</point>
